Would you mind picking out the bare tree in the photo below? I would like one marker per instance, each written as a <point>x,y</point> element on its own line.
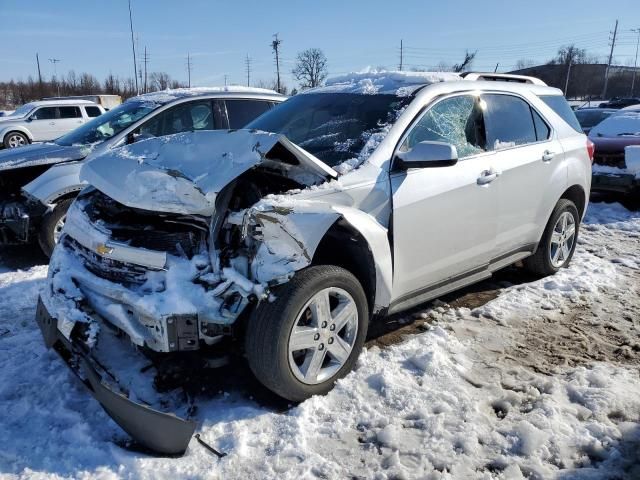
<point>466,63</point>
<point>159,80</point>
<point>570,55</point>
<point>311,68</point>
<point>524,63</point>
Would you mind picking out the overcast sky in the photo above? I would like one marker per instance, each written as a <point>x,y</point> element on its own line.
<point>92,36</point>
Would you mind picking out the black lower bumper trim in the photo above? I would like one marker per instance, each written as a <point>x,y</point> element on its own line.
<point>161,432</point>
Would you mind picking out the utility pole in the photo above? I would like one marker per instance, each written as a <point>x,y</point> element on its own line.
<point>635,65</point>
<point>39,73</point>
<point>146,61</point>
<point>225,79</point>
<point>275,44</point>
<point>566,83</point>
<point>133,48</point>
<point>401,55</point>
<point>248,64</point>
<point>496,69</point>
<point>55,61</point>
<point>189,65</point>
<point>606,72</point>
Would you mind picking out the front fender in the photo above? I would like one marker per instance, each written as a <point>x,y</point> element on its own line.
<point>288,234</point>
<point>15,128</point>
<point>61,179</point>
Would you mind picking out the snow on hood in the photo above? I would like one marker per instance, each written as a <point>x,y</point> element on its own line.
<point>183,173</point>
<point>384,82</point>
<point>40,154</point>
<point>618,124</point>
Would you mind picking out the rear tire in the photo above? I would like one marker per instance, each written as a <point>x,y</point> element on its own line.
<point>51,226</point>
<point>558,242</point>
<point>291,349</point>
<point>15,140</point>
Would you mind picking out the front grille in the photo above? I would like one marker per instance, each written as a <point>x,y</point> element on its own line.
<point>610,159</point>
<point>115,271</point>
<point>165,232</point>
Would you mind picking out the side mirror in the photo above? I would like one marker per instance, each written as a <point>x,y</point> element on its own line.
<point>137,137</point>
<point>29,118</point>
<point>427,155</point>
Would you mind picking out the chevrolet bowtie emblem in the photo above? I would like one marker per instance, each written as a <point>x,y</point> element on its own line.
<point>102,249</point>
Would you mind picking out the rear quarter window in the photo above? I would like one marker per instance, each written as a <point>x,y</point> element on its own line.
<point>560,105</point>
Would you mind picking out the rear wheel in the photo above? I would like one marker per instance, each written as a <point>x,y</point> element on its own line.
<point>15,140</point>
<point>311,335</point>
<point>558,241</point>
<point>51,227</point>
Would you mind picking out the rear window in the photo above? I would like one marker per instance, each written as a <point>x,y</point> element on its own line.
<point>560,105</point>
<point>92,111</point>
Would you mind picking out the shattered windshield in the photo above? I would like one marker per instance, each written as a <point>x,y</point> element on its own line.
<point>332,126</point>
<point>108,124</point>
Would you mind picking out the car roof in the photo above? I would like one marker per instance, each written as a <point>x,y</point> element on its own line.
<point>403,83</point>
<point>170,95</point>
<point>54,103</point>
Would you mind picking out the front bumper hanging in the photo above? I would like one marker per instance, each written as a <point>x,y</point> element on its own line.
<point>161,432</point>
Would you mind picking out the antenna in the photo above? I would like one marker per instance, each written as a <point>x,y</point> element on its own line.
<point>55,61</point>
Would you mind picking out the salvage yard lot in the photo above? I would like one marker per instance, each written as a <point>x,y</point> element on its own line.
<point>515,378</point>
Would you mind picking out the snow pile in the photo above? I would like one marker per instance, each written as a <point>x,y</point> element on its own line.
<point>371,81</point>
<point>454,402</point>
<point>624,123</point>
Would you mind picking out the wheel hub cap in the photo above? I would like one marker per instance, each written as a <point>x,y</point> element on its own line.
<point>57,229</point>
<point>16,141</point>
<point>562,239</point>
<point>323,336</point>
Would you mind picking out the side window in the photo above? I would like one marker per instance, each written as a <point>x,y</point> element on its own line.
<point>186,117</point>
<point>457,120</point>
<point>92,111</point>
<point>509,122</point>
<point>241,112</point>
<point>542,129</point>
<point>70,112</point>
<point>45,113</point>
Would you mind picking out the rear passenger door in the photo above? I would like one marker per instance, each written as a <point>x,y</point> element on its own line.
<point>241,112</point>
<point>530,162</point>
<point>69,118</point>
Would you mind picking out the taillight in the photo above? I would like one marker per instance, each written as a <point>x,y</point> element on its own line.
<point>591,148</point>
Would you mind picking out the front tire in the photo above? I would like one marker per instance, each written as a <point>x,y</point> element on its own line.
<point>558,242</point>
<point>310,335</point>
<point>51,226</point>
<point>15,140</point>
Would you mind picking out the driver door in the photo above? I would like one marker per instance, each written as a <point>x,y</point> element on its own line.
<point>444,218</point>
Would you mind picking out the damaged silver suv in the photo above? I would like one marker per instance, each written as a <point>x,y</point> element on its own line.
<point>366,197</point>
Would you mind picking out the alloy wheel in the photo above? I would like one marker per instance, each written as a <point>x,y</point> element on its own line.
<point>562,239</point>
<point>323,335</point>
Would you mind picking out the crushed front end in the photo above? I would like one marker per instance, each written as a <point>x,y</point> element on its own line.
<point>147,277</point>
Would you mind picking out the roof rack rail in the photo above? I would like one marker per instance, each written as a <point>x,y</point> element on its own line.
<point>501,77</point>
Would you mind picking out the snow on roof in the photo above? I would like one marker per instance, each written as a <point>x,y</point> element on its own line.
<point>626,122</point>
<point>169,95</point>
<point>384,82</point>
<point>44,103</point>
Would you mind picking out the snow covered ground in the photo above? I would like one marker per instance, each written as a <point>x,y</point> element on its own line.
<point>540,381</point>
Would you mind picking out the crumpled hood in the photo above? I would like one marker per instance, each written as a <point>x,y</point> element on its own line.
<point>40,154</point>
<point>183,173</point>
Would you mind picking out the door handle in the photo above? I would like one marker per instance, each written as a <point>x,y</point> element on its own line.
<point>488,176</point>
<point>547,156</point>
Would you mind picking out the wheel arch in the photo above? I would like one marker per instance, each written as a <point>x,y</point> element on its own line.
<point>578,196</point>
<point>16,128</point>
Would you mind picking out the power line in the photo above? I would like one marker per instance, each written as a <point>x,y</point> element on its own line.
<point>133,48</point>
<point>275,45</point>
